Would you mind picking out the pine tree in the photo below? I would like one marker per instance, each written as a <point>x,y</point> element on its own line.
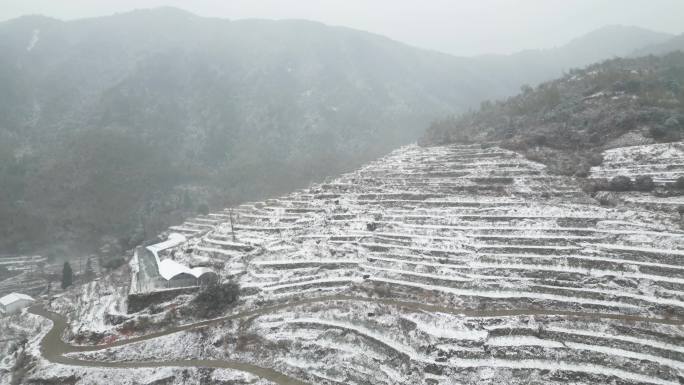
<point>67,275</point>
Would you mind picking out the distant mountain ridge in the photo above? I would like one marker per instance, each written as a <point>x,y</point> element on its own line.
<point>675,43</point>
<point>535,66</point>
<point>112,128</point>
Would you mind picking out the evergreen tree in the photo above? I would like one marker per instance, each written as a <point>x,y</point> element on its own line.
<point>67,275</point>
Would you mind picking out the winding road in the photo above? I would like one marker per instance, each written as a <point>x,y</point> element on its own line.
<point>54,349</point>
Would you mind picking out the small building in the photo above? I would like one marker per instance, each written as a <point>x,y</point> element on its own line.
<point>14,302</point>
<point>178,275</point>
<point>150,272</point>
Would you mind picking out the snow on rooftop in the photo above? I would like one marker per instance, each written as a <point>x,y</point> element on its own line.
<point>200,271</point>
<point>14,297</point>
<point>169,269</point>
<point>174,239</point>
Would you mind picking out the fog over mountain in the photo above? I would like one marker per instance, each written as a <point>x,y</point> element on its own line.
<point>354,192</point>
<point>533,66</point>
<point>113,128</point>
<point>464,28</point>
<point>673,44</point>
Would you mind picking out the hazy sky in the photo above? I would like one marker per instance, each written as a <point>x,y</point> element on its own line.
<point>455,26</point>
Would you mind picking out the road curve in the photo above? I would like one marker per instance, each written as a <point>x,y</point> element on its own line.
<point>54,349</point>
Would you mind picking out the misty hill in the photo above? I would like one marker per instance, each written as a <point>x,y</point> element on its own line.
<point>566,123</point>
<point>674,44</point>
<point>535,66</point>
<point>140,118</point>
<point>120,126</point>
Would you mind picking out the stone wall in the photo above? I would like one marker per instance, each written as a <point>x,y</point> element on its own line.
<point>140,301</point>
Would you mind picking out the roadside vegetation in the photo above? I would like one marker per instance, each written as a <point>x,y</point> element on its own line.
<point>215,299</point>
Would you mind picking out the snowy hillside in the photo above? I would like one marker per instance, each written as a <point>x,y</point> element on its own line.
<point>440,265</point>
<point>664,162</point>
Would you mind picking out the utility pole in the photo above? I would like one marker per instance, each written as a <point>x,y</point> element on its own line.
<point>232,228</point>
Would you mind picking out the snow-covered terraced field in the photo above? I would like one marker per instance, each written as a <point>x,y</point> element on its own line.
<point>664,162</point>
<point>442,265</point>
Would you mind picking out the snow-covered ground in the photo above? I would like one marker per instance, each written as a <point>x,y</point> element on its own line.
<point>144,376</point>
<point>91,307</point>
<point>438,265</point>
<point>664,162</point>
<point>17,331</point>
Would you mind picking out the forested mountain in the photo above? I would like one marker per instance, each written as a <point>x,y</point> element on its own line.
<point>113,128</point>
<point>568,122</point>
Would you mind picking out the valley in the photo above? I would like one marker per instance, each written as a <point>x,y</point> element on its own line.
<point>193,200</point>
